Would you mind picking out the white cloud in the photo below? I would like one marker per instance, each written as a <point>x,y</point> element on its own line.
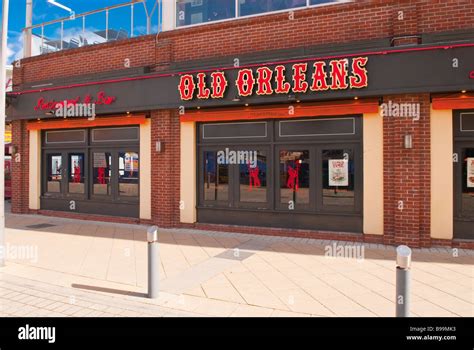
<point>14,47</point>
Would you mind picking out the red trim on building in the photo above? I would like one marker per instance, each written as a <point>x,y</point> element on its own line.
<point>86,123</point>
<point>335,108</point>
<point>458,101</point>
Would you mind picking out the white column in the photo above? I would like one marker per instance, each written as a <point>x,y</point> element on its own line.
<point>188,173</point>
<point>145,170</point>
<point>169,22</point>
<point>34,170</point>
<point>373,173</point>
<point>442,195</point>
<point>27,34</point>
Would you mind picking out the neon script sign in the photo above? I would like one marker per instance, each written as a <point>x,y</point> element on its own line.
<point>100,99</point>
<point>341,74</point>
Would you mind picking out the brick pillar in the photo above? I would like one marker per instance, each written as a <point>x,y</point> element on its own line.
<point>407,175</point>
<point>405,21</point>
<point>165,167</point>
<point>20,169</point>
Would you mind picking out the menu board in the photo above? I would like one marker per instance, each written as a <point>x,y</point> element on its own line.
<point>470,172</point>
<point>338,172</point>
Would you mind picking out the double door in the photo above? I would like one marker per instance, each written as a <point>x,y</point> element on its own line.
<point>464,190</point>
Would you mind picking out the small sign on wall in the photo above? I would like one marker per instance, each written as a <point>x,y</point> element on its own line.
<point>338,172</point>
<point>470,172</point>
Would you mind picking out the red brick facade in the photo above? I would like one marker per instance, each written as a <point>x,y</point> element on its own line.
<point>407,175</point>
<point>406,171</point>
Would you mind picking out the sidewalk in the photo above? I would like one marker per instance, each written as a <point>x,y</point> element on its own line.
<point>85,268</point>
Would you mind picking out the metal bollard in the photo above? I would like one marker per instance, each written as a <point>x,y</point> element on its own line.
<point>153,262</point>
<point>402,300</point>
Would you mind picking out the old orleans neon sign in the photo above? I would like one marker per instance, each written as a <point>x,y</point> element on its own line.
<point>335,75</point>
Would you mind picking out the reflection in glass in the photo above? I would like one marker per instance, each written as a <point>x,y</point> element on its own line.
<point>216,178</point>
<point>128,174</point>
<point>468,181</point>
<point>253,7</point>
<point>294,177</point>
<point>102,173</point>
<point>54,176</point>
<point>199,11</point>
<point>253,179</point>
<point>318,2</point>
<point>338,177</point>
<point>76,173</point>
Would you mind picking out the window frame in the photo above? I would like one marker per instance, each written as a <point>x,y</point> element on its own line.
<point>315,145</point>
<point>238,16</point>
<point>87,148</point>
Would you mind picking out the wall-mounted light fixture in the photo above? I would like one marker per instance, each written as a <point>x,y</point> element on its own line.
<point>408,141</point>
<point>159,146</point>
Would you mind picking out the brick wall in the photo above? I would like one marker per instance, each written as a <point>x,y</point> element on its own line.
<point>20,169</point>
<point>165,168</point>
<point>407,175</point>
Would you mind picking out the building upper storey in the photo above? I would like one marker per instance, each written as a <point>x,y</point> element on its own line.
<point>182,31</point>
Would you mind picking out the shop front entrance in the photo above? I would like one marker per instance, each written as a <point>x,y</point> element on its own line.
<point>92,170</point>
<point>464,175</point>
<point>298,173</point>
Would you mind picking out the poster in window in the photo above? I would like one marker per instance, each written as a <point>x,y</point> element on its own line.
<point>338,172</point>
<point>99,160</point>
<point>131,162</point>
<point>470,172</point>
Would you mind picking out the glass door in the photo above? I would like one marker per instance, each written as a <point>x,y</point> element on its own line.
<point>54,173</point>
<point>128,174</point>
<point>464,191</point>
<point>76,174</point>
<point>101,169</point>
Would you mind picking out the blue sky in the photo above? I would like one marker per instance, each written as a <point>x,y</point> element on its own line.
<point>43,12</point>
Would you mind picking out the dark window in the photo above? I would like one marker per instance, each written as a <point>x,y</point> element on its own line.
<point>253,178</point>
<point>467,121</point>
<point>115,134</point>
<point>320,2</point>
<point>234,130</point>
<point>128,174</point>
<point>317,127</point>
<point>65,136</point>
<point>54,173</point>
<point>215,178</point>
<point>338,177</point>
<point>76,173</point>
<point>200,11</point>
<point>467,195</point>
<point>294,177</point>
<point>253,7</point>
<point>102,173</point>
